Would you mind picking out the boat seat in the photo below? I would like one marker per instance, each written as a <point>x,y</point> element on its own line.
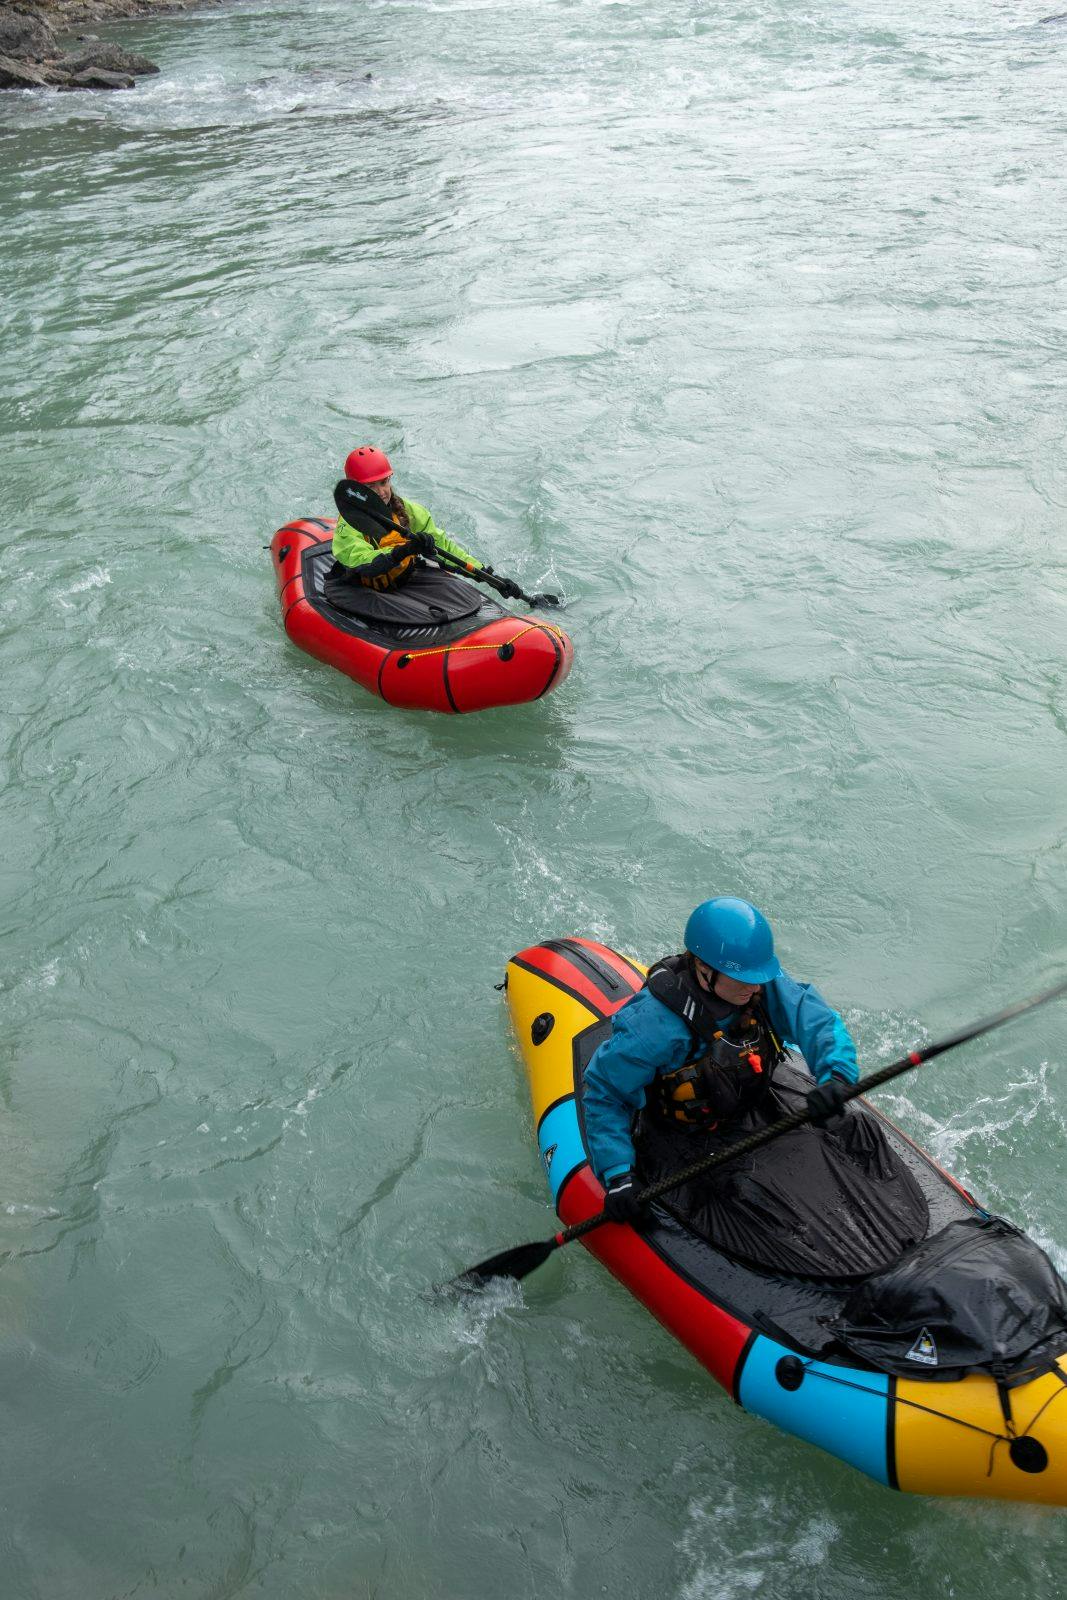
<point>428,599</point>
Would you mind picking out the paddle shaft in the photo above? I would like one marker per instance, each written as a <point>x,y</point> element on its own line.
<point>519,1262</point>
<point>797,1119</point>
<point>446,559</point>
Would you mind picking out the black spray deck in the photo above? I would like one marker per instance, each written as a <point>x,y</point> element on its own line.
<point>793,1309</point>
<point>318,561</point>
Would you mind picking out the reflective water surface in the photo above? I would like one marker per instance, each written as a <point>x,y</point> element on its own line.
<point>743,325</point>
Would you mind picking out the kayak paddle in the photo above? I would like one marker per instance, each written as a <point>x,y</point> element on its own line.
<point>519,1262</point>
<point>347,490</point>
<point>482,575</point>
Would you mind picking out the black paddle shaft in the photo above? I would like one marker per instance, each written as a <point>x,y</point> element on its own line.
<point>797,1119</point>
<point>348,491</point>
<point>520,1261</point>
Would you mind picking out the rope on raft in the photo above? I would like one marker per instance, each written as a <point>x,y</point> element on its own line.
<point>454,649</point>
<point>916,1405</point>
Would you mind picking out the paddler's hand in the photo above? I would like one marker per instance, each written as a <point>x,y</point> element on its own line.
<point>827,1099</point>
<point>621,1198</point>
<point>400,552</point>
<point>510,590</point>
<point>424,543</point>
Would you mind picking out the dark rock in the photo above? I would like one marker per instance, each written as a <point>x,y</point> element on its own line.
<point>109,58</point>
<point>25,36</point>
<point>21,75</point>
<point>96,78</point>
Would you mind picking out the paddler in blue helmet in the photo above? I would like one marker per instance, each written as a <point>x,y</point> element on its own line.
<point>696,1048</point>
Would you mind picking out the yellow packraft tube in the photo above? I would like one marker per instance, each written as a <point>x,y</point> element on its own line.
<point>928,1436</point>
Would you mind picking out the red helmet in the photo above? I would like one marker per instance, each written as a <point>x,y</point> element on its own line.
<point>367,465</point>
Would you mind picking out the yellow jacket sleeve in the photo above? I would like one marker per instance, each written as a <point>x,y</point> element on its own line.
<point>352,548</point>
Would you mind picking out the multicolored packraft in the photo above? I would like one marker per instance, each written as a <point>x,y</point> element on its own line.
<point>943,1372</point>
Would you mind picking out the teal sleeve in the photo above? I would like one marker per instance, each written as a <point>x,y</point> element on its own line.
<point>646,1039</point>
<point>800,1016</point>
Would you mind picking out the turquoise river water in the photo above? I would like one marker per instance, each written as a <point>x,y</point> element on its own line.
<point>744,325</point>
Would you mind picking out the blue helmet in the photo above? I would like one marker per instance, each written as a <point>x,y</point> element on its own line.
<point>733,937</point>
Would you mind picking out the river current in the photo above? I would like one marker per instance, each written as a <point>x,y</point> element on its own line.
<point>743,325</point>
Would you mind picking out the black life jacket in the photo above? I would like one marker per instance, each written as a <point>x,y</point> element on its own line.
<point>733,1057</point>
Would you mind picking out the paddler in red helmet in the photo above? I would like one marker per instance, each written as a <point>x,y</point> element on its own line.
<point>378,548</point>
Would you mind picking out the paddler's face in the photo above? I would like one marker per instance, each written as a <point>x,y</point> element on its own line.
<point>728,989</point>
<point>383,488</point>
<point>734,993</point>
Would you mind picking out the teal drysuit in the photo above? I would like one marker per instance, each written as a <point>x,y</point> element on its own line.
<point>648,1038</point>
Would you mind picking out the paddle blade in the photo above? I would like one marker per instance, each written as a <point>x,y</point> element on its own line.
<point>516,1264</point>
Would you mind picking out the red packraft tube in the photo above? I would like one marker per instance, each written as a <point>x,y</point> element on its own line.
<point>490,659</point>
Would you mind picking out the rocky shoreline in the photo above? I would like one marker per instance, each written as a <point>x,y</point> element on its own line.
<point>32,56</point>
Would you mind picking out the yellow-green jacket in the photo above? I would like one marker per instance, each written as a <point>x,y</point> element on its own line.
<point>354,549</point>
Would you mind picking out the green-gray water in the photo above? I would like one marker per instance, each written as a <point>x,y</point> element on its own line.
<point>744,324</point>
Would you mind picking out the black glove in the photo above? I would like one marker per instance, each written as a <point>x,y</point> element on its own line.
<point>621,1200</point>
<point>826,1100</point>
<point>510,590</point>
<point>423,542</point>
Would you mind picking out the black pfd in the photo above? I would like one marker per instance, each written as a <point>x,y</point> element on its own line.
<point>733,1057</point>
